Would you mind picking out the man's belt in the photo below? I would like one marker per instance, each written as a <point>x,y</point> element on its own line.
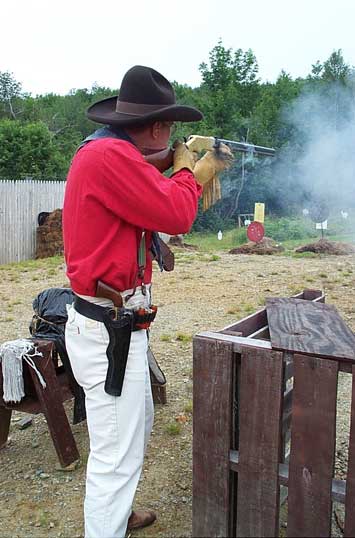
<point>142,317</point>
<point>119,322</point>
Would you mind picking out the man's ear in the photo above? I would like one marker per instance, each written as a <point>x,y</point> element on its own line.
<point>155,129</point>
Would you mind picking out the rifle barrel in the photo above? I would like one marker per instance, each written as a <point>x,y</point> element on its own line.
<point>248,148</point>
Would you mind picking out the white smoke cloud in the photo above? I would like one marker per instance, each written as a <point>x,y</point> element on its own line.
<point>324,126</point>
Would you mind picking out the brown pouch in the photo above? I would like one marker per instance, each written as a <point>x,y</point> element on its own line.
<point>161,253</point>
<point>167,255</point>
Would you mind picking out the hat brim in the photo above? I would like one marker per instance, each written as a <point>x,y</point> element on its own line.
<point>104,111</point>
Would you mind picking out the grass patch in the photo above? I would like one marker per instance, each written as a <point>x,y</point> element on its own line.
<point>207,242</point>
<point>188,407</point>
<point>173,428</point>
<point>165,338</point>
<point>233,310</point>
<point>248,308</point>
<point>182,337</point>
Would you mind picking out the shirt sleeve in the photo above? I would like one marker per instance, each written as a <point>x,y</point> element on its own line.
<point>138,193</point>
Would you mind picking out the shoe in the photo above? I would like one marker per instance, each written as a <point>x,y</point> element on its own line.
<point>141,518</point>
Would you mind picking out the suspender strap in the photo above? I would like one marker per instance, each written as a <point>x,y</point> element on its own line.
<point>142,262</point>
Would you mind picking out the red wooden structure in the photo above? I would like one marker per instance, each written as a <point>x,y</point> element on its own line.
<point>266,419</point>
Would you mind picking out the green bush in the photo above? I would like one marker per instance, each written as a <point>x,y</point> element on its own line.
<point>285,229</point>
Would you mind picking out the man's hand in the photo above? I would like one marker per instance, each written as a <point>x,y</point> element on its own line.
<point>200,143</point>
<point>212,163</point>
<point>183,157</point>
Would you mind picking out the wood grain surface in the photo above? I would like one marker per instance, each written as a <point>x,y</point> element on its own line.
<point>312,447</point>
<point>259,443</point>
<point>212,427</point>
<point>309,327</point>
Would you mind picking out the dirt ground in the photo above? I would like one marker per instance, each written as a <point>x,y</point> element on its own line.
<point>205,292</point>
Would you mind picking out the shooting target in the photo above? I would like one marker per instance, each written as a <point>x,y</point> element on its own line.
<point>255,231</point>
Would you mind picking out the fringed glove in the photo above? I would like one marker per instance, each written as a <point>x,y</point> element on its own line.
<point>183,157</point>
<point>207,170</point>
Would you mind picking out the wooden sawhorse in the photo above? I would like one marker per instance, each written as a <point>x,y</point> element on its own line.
<point>48,401</point>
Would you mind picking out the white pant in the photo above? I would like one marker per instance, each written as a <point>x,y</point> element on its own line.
<point>119,427</point>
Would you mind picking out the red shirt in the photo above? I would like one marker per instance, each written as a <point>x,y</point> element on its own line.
<point>112,194</point>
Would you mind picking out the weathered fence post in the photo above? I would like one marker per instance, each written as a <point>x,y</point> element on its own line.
<point>261,386</point>
<point>212,437</point>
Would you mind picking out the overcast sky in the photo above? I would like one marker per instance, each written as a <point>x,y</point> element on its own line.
<point>58,45</point>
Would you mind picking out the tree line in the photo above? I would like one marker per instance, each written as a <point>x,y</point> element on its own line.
<point>39,135</point>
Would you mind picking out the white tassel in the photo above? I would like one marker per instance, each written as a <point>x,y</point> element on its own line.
<point>11,355</point>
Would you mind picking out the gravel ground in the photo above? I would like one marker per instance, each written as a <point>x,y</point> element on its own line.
<point>205,292</point>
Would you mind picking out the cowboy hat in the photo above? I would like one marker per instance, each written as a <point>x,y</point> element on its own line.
<point>145,96</point>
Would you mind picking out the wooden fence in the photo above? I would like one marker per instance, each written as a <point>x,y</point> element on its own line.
<point>265,420</point>
<point>20,204</point>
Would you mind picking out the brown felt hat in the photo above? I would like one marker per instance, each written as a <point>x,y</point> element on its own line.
<point>145,96</point>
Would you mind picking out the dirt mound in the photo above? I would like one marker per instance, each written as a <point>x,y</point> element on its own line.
<point>265,246</point>
<point>49,238</point>
<point>324,246</point>
<point>178,241</point>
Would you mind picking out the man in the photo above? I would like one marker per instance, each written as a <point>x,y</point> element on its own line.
<point>114,200</point>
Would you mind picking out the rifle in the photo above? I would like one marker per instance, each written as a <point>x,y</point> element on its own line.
<point>163,160</point>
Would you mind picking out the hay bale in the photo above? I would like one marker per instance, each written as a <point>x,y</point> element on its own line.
<point>324,246</point>
<point>49,237</point>
<point>264,247</point>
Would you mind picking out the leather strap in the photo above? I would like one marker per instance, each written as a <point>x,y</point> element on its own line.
<point>91,310</point>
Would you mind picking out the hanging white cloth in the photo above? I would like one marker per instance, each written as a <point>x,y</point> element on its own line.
<point>11,355</point>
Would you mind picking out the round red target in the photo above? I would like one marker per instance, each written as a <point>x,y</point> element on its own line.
<point>255,231</point>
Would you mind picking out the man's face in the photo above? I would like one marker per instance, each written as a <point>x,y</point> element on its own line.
<point>152,138</point>
<point>161,132</point>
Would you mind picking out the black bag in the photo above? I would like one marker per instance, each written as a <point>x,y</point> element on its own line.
<point>48,322</point>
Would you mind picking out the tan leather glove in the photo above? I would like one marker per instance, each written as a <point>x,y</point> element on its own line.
<point>200,143</point>
<point>206,172</point>
<point>183,158</point>
<point>212,163</point>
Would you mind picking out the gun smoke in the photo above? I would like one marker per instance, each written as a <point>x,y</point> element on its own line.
<point>319,161</point>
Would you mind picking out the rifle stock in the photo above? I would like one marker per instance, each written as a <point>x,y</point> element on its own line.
<point>162,160</point>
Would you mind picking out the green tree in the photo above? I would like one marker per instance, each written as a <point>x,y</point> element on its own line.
<point>28,150</point>
<point>334,82</point>
<point>10,92</point>
<point>229,91</point>
<point>269,124</point>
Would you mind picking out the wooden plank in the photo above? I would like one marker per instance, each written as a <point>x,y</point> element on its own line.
<point>312,446</point>
<point>212,426</point>
<point>249,324</point>
<point>238,341</point>
<point>230,333</point>
<point>234,442</point>
<point>312,295</point>
<point>5,419</point>
<point>349,527</point>
<point>259,443</point>
<point>309,327</point>
<point>338,486</point>
<point>50,400</point>
<point>261,333</point>
<point>258,320</point>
